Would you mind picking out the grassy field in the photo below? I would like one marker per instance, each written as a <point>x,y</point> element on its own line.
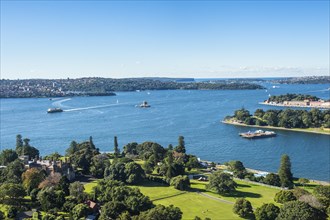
<point>191,203</point>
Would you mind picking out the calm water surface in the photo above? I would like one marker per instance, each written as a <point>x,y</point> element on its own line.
<point>194,114</point>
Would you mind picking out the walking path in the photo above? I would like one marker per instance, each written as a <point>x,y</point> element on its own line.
<point>215,198</point>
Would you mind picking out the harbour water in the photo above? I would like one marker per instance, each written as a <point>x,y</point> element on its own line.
<point>194,114</point>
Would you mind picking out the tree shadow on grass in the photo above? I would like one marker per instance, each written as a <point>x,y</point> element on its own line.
<point>240,194</point>
<point>148,183</point>
<point>243,185</point>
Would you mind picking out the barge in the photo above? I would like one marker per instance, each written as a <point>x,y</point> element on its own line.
<point>257,134</point>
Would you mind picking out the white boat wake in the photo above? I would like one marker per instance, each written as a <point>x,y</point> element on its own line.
<point>59,103</point>
<point>95,107</point>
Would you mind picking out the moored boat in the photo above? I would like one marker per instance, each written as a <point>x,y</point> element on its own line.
<point>257,134</point>
<point>144,105</point>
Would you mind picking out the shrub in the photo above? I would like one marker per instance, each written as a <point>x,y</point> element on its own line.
<point>284,196</point>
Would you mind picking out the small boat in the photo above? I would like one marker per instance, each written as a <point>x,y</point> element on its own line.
<point>257,134</point>
<point>53,110</point>
<point>144,105</point>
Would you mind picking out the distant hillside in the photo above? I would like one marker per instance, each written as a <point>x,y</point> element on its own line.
<point>105,86</point>
<point>304,80</point>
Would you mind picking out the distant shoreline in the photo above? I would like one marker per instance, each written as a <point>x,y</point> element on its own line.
<point>294,106</point>
<point>324,132</point>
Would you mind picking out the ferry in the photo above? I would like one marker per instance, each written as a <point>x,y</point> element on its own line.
<point>144,105</point>
<point>53,110</point>
<point>257,134</point>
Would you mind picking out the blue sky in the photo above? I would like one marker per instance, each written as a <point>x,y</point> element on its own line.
<point>59,39</point>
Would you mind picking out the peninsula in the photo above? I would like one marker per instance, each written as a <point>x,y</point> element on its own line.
<point>314,121</point>
<point>297,100</point>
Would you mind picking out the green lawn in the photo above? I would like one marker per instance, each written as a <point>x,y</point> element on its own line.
<point>191,203</point>
<point>256,194</point>
<point>89,186</point>
<point>194,204</point>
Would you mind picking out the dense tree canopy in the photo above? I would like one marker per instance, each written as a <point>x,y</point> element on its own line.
<point>287,118</point>
<point>32,178</point>
<point>121,198</point>
<point>7,156</point>
<point>161,212</point>
<point>299,210</point>
<point>50,198</point>
<point>12,191</point>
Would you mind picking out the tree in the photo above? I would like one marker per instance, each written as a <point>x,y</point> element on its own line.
<point>79,211</point>
<point>64,185</point>
<point>72,149</point>
<point>131,148</point>
<point>114,191</point>
<point>242,114</point>
<point>134,173</point>
<point>13,172</point>
<point>181,145</point>
<point>170,170</point>
<point>192,162</point>
<point>161,212</point>
<point>267,212</point>
<point>7,156</point>
<point>2,215</point>
<point>50,198</point>
<point>51,180</point>
<point>91,143</point>
<point>243,208</point>
<point>259,113</point>
<point>221,182</point>
<point>112,210</point>
<point>272,179</point>
<point>99,163</point>
<point>116,149</point>
<point>299,210</point>
<point>284,196</point>
<point>12,212</point>
<point>303,181</point>
<point>298,192</point>
<point>26,148</point>
<point>81,155</point>
<point>49,216</point>
<point>19,141</point>
<point>180,182</point>
<point>323,194</point>
<point>312,201</point>
<point>32,178</point>
<point>77,190</point>
<point>238,168</point>
<point>271,118</point>
<point>54,156</point>
<point>284,172</point>
<point>12,191</point>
